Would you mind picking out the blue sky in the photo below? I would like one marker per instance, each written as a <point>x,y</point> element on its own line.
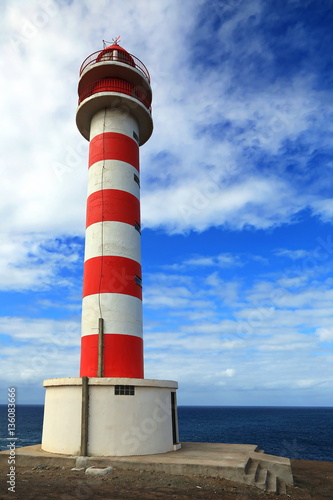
<point>237,209</point>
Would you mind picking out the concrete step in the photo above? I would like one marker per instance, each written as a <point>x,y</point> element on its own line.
<point>256,474</point>
<point>251,468</point>
<point>271,483</point>
<point>281,487</point>
<point>261,478</point>
<point>280,466</point>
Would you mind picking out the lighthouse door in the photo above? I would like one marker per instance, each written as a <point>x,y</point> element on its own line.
<point>174,418</point>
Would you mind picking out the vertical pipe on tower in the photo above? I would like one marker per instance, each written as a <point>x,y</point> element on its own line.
<point>100,348</point>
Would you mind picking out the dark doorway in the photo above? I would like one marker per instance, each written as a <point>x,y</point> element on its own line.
<point>174,418</point>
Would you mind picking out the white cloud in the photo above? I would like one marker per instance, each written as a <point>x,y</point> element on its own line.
<point>35,349</point>
<point>220,260</point>
<point>229,372</point>
<point>279,340</point>
<point>190,205</point>
<point>306,383</point>
<point>292,254</point>
<point>212,183</point>
<point>60,333</point>
<point>324,208</point>
<point>325,334</point>
<point>292,282</point>
<point>227,352</point>
<point>31,264</point>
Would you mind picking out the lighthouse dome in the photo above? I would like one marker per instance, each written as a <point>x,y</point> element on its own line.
<point>115,53</point>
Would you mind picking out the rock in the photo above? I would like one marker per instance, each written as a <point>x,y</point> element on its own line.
<point>40,467</point>
<point>82,462</point>
<point>98,471</point>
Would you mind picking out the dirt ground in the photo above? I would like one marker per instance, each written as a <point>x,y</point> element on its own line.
<point>313,480</point>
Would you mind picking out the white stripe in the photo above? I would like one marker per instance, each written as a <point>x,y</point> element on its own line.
<point>122,314</point>
<point>115,175</point>
<point>119,239</point>
<point>113,120</point>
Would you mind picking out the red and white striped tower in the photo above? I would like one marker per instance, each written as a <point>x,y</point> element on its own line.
<point>111,409</point>
<point>114,114</point>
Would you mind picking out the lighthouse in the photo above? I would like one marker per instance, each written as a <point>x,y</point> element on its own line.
<point>111,409</point>
<point>114,114</point>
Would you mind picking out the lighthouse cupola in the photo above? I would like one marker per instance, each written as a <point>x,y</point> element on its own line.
<point>115,79</point>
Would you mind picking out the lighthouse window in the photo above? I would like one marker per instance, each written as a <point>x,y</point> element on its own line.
<point>138,280</point>
<point>107,56</point>
<point>137,180</point>
<point>126,58</point>
<point>137,227</point>
<point>124,390</point>
<point>136,137</point>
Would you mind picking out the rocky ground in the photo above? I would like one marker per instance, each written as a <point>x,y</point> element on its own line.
<point>313,480</point>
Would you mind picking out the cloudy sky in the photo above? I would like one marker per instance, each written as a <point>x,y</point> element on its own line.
<point>236,193</point>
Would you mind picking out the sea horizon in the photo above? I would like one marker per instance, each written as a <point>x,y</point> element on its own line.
<point>300,432</point>
<point>211,406</point>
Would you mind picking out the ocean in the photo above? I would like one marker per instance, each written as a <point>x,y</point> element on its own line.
<point>294,432</point>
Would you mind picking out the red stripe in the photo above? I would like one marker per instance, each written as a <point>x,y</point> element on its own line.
<point>113,146</point>
<point>113,205</point>
<point>118,276</point>
<point>123,356</point>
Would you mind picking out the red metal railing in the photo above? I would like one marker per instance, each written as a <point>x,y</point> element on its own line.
<point>116,85</point>
<point>122,57</point>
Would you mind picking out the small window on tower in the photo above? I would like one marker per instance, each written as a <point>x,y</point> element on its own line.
<point>138,280</point>
<point>137,227</point>
<point>137,180</point>
<point>136,137</point>
<point>124,390</point>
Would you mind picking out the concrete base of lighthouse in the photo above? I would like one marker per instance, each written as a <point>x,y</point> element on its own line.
<point>123,416</point>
